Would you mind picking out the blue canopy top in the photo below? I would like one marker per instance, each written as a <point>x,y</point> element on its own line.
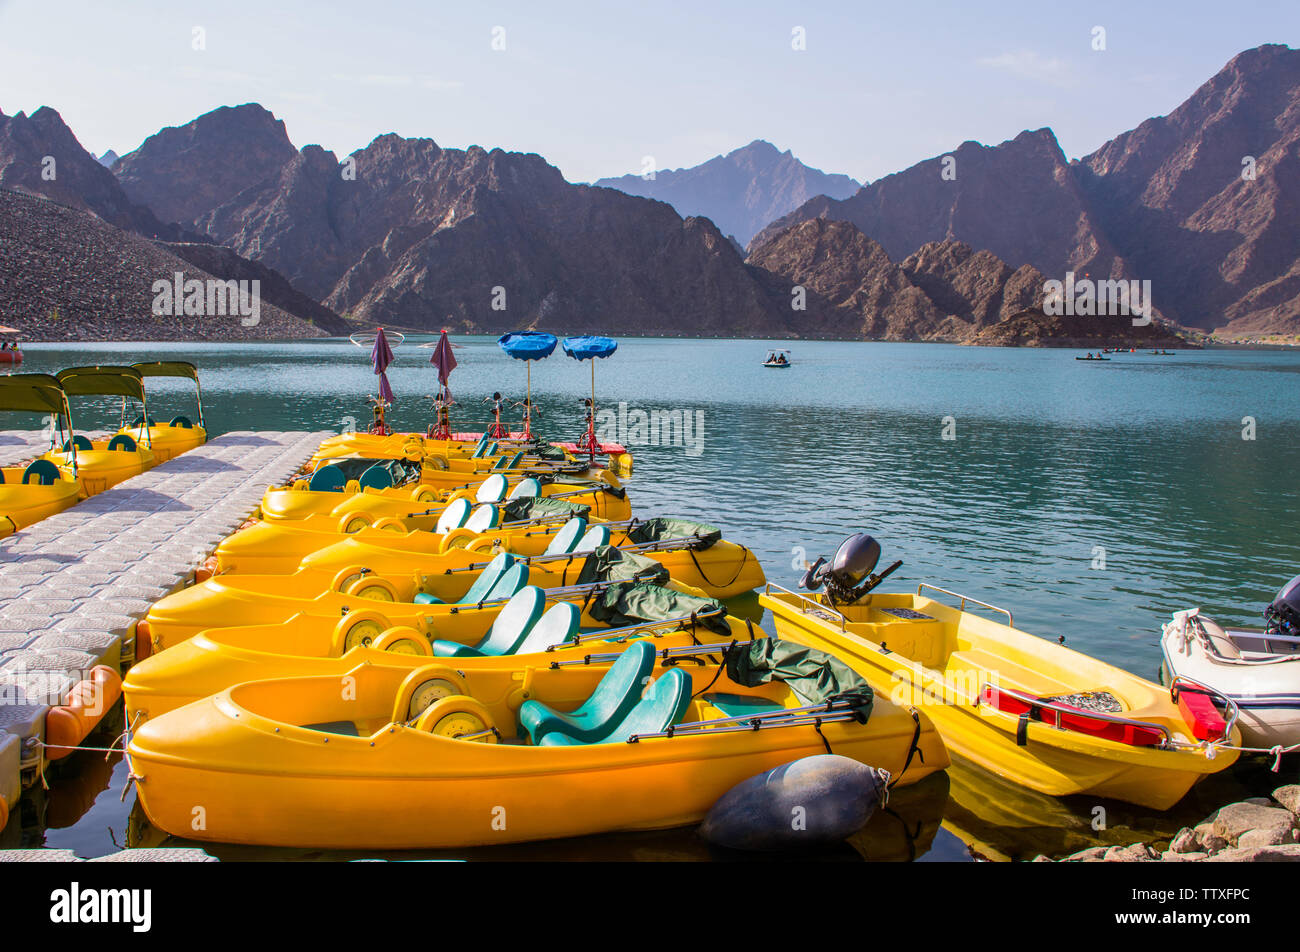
<point>583,348</point>
<point>527,345</point>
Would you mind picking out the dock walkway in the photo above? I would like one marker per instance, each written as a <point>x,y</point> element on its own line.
<point>73,585</point>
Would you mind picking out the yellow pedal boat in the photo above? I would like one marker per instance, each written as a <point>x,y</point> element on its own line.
<point>1024,708</point>
<point>180,434</point>
<point>230,600</point>
<point>439,758</point>
<point>606,497</point>
<point>525,634</point>
<point>102,464</point>
<point>41,488</point>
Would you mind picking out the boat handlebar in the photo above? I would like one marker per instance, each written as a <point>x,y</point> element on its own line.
<point>967,598</point>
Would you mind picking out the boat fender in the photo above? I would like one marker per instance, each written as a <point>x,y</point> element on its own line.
<point>67,725</point>
<point>804,804</point>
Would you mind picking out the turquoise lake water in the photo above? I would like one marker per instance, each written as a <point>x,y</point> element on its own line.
<point>1092,501</point>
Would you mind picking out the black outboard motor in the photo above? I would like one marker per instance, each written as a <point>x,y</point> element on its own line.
<point>1283,616</point>
<point>849,576</point>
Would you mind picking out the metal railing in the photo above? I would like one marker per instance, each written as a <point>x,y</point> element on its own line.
<point>622,634</point>
<point>1037,704</point>
<point>810,715</point>
<point>965,599</point>
<point>810,600</point>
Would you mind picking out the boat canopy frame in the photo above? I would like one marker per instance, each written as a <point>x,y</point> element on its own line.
<point>174,368</point>
<point>41,393</point>
<point>109,380</point>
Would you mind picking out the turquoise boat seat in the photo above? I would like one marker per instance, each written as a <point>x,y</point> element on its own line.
<point>515,460</point>
<point>563,542</point>
<point>526,487</point>
<point>79,441</point>
<point>481,450</point>
<point>558,625</point>
<point>483,519</point>
<point>454,516</point>
<point>509,629</point>
<point>327,479</point>
<point>510,582</point>
<point>740,705</point>
<point>123,442</point>
<point>499,464</point>
<point>41,472</point>
<point>376,477</point>
<point>492,489</point>
<point>662,706</point>
<point>596,537</point>
<point>485,582</point>
<point>615,696</point>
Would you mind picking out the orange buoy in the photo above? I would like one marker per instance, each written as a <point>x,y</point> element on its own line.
<point>67,725</point>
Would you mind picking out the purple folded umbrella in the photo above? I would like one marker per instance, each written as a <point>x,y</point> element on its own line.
<point>381,355</point>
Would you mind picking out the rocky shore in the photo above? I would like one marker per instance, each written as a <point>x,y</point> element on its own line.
<point>1259,829</point>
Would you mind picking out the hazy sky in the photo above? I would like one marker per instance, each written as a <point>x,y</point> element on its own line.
<point>594,87</point>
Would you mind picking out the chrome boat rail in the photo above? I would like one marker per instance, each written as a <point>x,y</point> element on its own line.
<point>1039,704</point>
<point>967,598</point>
<point>816,605</point>
<point>813,715</point>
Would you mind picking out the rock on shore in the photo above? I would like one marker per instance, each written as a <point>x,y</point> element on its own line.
<point>1257,830</point>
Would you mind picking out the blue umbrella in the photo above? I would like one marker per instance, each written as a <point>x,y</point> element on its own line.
<point>589,348</point>
<point>381,355</point>
<point>528,346</point>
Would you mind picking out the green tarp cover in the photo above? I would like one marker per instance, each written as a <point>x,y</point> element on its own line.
<point>167,368</point>
<point>610,564</point>
<point>630,603</point>
<point>403,471</point>
<point>546,451</point>
<point>540,507</point>
<point>814,676</point>
<point>664,527</point>
<point>103,381</point>
<point>37,393</point>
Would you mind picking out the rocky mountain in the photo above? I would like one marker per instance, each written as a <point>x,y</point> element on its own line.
<point>227,264</point>
<point>66,274</point>
<point>40,155</point>
<point>945,290</point>
<point>406,232</point>
<point>108,159</point>
<point>741,191</point>
<point>1205,202</point>
<point>1018,200</point>
<point>183,172</point>
<point>1202,202</point>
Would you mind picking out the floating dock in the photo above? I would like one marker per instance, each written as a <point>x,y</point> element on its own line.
<point>73,586</point>
<point>21,446</point>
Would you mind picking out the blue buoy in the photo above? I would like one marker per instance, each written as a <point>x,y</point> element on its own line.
<point>805,804</point>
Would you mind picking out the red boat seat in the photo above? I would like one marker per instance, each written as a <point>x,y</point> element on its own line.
<point>1085,722</point>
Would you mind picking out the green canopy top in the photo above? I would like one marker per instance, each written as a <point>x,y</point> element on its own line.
<point>103,380</point>
<point>37,393</point>
<point>167,368</point>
